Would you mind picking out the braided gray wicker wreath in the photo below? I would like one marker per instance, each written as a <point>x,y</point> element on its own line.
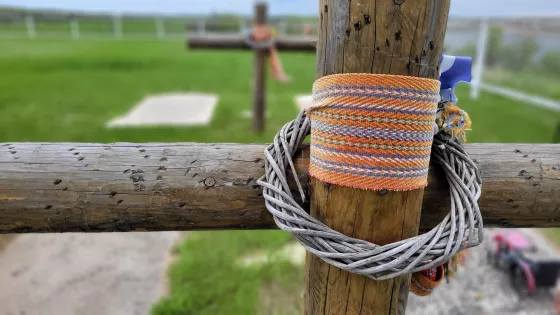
<point>460,229</point>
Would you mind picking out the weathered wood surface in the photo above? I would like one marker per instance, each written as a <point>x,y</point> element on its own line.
<point>237,41</point>
<point>370,36</point>
<point>65,187</point>
<point>259,73</point>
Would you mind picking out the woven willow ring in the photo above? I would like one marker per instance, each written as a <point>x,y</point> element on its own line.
<point>460,229</point>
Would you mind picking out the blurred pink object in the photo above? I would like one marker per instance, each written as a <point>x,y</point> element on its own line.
<point>528,268</point>
<point>513,240</point>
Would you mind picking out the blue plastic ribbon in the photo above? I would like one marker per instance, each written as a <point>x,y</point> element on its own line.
<point>453,70</point>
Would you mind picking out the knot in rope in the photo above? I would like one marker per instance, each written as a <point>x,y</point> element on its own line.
<point>260,37</point>
<point>453,121</point>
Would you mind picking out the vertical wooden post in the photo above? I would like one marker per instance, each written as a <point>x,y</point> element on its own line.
<point>402,37</point>
<point>259,84</point>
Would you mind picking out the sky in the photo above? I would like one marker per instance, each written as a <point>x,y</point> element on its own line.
<point>466,8</point>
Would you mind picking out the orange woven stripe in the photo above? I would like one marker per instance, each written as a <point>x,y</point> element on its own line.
<point>372,131</point>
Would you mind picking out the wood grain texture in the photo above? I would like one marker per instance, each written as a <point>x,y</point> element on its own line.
<point>237,41</point>
<point>261,13</point>
<point>259,77</point>
<point>370,36</point>
<point>65,187</point>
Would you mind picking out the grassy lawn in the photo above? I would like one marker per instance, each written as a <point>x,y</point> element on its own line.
<point>64,90</point>
<point>75,87</point>
<point>210,278</point>
<point>532,82</point>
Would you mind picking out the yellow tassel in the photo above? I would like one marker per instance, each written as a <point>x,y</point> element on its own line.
<point>454,121</point>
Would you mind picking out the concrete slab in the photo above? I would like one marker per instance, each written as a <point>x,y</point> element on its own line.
<point>171,109</point>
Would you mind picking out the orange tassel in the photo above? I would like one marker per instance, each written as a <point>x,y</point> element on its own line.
<point>424,282</point>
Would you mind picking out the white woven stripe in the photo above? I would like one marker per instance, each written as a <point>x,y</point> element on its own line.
<point>413,122</point>
<point>371,146</point>
<point>335,90</point>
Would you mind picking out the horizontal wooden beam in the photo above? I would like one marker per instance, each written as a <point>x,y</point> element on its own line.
<point>64,187</point>
<point>237,41</point>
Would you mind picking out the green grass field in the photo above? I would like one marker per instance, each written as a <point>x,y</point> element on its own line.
<point>529,81</point>
<point>64,90</point>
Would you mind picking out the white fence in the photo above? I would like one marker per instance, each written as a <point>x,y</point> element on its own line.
<point>493,42</point>
<point>115,26</point>
<point>36,25</point>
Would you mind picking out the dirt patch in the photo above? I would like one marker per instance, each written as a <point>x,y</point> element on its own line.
<point>481,289</point>
<point>76,273</point>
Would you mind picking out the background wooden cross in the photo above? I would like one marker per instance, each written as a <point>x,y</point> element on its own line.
<point>238,41</point>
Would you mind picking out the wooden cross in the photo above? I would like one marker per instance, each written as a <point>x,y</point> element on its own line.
<point>286,43</point>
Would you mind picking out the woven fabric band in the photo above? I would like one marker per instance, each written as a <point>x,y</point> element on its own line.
<point>373,131</point>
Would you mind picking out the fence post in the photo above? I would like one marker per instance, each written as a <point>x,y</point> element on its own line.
<point>242,25</point>
<point>370,36</point>
<point>201,27</point>
<point>117,26</point>
<point>74,28</point>
<point>259,87</point>
<point>160,27</point>
<point>481,48</point>
<point>30,26</point>
<point>282,28</point>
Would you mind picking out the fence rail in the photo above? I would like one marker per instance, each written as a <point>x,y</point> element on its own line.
<point>64,187</point>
